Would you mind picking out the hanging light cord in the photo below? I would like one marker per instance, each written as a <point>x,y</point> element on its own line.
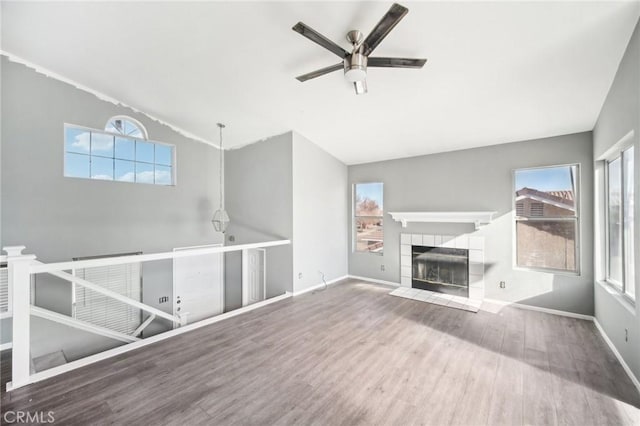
<point>221,126</point>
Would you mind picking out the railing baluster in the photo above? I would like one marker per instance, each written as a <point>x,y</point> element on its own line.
<point>20,283</point>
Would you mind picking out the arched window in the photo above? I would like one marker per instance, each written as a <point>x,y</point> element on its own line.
<point>121,152</point>
<point>126,126</point>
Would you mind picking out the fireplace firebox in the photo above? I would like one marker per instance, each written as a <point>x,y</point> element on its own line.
<point>441,269</point>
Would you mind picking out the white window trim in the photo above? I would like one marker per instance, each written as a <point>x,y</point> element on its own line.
<point>614,153</point>
<point>354,234</point>
<point>577,218</point>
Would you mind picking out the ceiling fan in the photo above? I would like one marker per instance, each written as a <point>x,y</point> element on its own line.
<point>355,63</point>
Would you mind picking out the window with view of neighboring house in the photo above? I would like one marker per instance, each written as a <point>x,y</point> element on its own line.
<point>368,217</point>
<point>546,220</point>
<point>620,222</point>
<point>119,153</point>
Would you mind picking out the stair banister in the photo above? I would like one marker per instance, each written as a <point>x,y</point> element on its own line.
<point>114,295</point>
<point>21,267</point>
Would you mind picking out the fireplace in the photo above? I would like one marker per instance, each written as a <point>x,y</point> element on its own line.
<point>474,244</point>
<point>440,269</point>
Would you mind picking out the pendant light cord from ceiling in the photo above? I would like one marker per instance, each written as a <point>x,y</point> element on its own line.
<point>221,126</point>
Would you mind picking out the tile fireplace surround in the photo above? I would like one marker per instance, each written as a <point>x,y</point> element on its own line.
<point>475,245</point>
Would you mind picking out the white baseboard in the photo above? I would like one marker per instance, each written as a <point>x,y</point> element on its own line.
<point>621,360</point>
<point>539,309</point>
<point>373,280</point>
<point>5,346</point>
<point>319,286</point>
<point>38,377</point>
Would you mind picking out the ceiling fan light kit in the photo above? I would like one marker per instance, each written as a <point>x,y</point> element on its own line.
<point>355,68</point>
<point>355,63</point>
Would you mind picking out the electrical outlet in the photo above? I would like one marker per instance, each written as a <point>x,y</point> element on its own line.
<point>300,275</point>
<point>163,299</point>
<point>232,238</point>
<point>503,284</point>
<point>626,335</point>
<point>382,268</point>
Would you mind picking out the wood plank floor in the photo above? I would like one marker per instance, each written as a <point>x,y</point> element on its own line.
<point>349,355</point>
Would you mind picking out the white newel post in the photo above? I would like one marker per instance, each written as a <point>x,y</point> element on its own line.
<point>18,266</point>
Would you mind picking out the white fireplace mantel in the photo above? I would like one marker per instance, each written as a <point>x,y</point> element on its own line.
<point>478,218</point>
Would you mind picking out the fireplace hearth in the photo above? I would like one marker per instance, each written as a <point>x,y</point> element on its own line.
<point>440,269</point>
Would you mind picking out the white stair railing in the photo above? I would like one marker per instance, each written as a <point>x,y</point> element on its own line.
<point>112,294</point>
<point>21,267</point>
<point>81,325</point>
<point>104,311</point>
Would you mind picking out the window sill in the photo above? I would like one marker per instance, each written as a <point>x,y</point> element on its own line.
<point>548,271</point>
<point>375,253</point>
<point>628,304</point>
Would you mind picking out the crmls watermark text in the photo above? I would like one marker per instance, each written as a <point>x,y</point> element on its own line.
<point>29,417</point>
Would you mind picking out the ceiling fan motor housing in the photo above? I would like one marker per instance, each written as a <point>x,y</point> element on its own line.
<point>355,67</point>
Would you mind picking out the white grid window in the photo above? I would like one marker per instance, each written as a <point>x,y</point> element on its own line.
<point>620,222</point>
<point>368,217</point>
<point>124,156</point>
<point>547,218</point>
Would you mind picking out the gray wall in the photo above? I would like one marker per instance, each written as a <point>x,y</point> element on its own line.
<point>320,198</point>
<point>620,115</point>
<point>481,179</point>
<point>259,200</point>
<point>287,187</point>
<point>58,218</point>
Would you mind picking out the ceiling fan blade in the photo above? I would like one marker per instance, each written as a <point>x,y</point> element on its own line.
<point>318,38</point>
<point>386,24</point>
<point>321,71</point>
<point>396,62</point>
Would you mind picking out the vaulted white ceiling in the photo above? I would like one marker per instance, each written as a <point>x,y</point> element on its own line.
<point>496,72</point>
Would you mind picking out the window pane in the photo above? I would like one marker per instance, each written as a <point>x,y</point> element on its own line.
<point>125,171</point>
<point>144,173</point>
<point>144,152</point>
<point>547,244</point>
<point>76,165</point>
<point>124,127</point>
<point>101,168</point>
<point>614,226</point>
<point>369,234</point>
<point>546,192</point>
<point>101,144</point>
<point>629,226</point>
<point>114,126</point>
<point>77,140</point>
<point>164,155</point>
<point>163,175</point>
<point>368,199</point>
<point>125,149</point>
<point>131,129</point>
